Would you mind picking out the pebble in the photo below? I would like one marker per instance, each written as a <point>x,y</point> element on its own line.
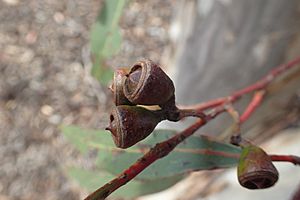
<point>11,3</point>
<point>47,110</point>
<point>55,119</point>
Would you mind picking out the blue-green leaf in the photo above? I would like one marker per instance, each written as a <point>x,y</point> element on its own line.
<point>106,38</point>
<point>196,153</point>
<point>91,180</point>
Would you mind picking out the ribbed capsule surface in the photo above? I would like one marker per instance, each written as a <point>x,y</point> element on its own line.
<point>131,124</point>
<point>148,84</point>
<point>255,169</point>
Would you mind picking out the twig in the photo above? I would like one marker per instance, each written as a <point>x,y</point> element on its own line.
<point>205,105</point>
<point>261,84</point>
<point>236,138</point>
<point>255,102</point>
<point>286,158</point>
<point>235,129</point>
<point>190,113</point>
<point>160,150</point>
<point>265,81</point>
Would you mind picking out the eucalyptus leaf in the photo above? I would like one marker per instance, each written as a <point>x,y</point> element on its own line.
<point>112,43</point>
<point>102,72</point>
<point>81,138</point>
<point>195,153</point>
<point>106,38</point>
<point>91,180</point>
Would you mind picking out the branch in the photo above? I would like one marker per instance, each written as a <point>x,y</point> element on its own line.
<point>259,85</point>
<point>286,158</point>
<point>236,138</point>
<point>255,102</point>
<point>265,81</point>
<point>205,105</point>
<point>160,150</point>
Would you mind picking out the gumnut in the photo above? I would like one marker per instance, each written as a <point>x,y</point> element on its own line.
<point>148,84</point>
<point>131,124</point>
<point>255,169</point>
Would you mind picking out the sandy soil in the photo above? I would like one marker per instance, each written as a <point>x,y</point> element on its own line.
<point>44,82</point>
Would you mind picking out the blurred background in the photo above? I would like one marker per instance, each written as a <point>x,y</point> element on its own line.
<point>48,49</point>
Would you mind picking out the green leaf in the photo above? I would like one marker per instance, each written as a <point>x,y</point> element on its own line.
<point>196,153</point>
<point>81,138</point>
<point>104,41</point>
<point>102,73</point>
<point>112,44</point>
<point>106,38</point>
<point>111,12</point>
<point>91,180</point>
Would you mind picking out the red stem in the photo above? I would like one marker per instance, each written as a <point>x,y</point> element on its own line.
<point>286,158</point>
<point>206,105</point>
<point>265,81</point>
<point>255,102</point>
<point>261,84</point>
<point>190,112</point>
<point>160,150</point>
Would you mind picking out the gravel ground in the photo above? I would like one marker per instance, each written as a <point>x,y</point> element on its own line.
<point>44,82</point>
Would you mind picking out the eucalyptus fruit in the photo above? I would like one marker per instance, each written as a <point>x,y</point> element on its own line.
<point>131,124</point>
<point>148,84</point>
<point>255,169</point>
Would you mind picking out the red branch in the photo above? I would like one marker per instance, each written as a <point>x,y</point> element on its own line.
<point>265,81</point>
<point>206,105</point>
<point>261,84</point>
<point>255,102</point>
<point>162,149</point>
<point>286,158</point>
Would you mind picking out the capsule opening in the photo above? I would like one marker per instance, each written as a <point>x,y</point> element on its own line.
<point>259,183</point>
<point>133,79</point>
<point>112,118</point>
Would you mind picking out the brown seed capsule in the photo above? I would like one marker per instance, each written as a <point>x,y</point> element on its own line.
<point>131,124</point>
<point>117,87</point>
<point>147,84</point>
<point>255,169</point>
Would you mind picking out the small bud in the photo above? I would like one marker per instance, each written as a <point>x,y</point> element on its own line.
<point>117,87</point>
<point>131,124</point>
<point>147,84</point>
<point>255,169</point>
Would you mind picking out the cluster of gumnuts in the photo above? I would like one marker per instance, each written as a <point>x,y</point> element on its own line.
<point>146,84</point>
